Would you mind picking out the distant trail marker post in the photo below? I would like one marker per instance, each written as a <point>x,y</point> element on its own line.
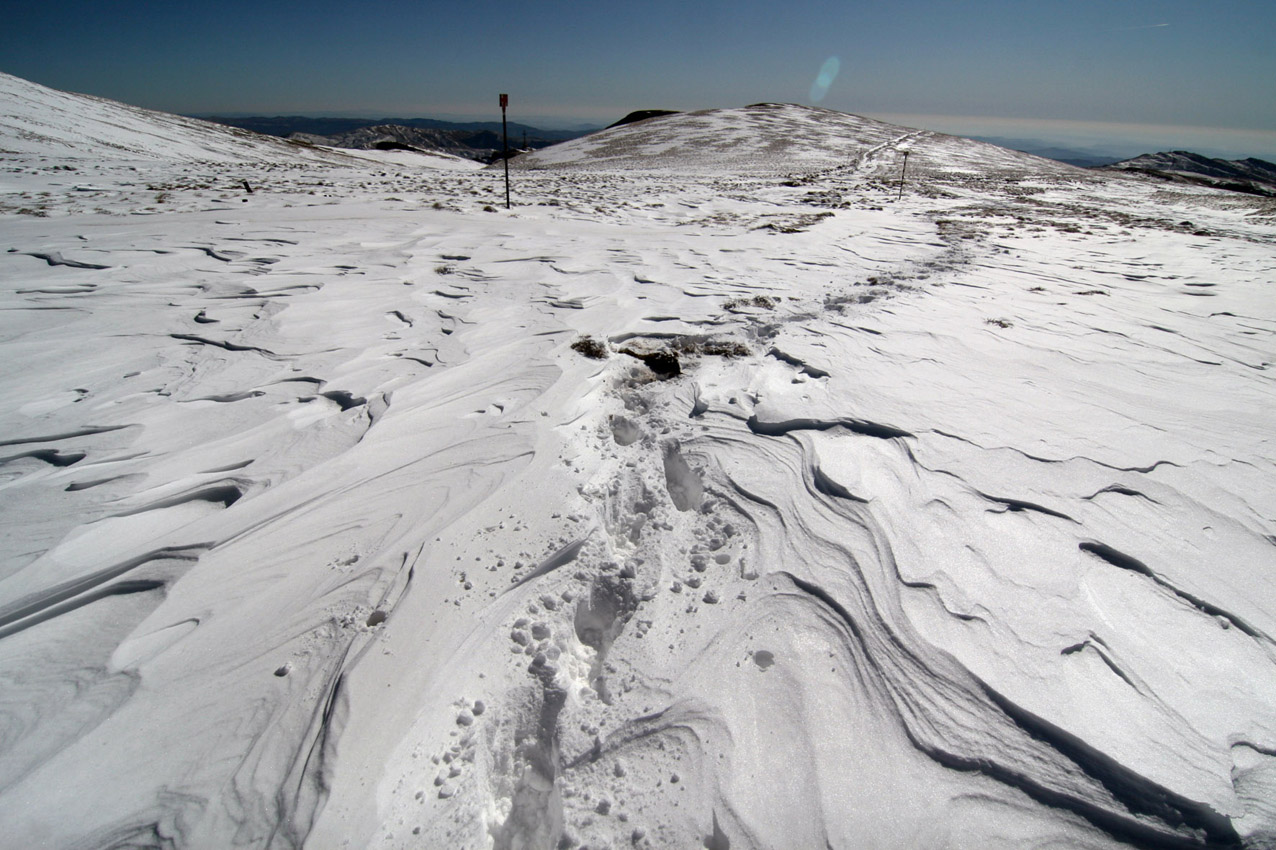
<point>902,169</point>
<point>505,147</point>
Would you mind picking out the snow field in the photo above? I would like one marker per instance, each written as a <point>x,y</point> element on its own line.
<point>955,527</point>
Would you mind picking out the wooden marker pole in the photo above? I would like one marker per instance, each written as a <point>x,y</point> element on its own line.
<point>505,144</point>
<point>902,169</point>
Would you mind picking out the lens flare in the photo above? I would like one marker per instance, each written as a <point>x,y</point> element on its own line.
<point>828,73</point>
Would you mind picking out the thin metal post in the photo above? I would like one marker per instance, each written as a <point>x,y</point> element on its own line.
<point>902,169</point>
<point>505,145</point>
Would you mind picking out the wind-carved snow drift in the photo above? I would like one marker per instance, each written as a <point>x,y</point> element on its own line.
<point>954,526</point>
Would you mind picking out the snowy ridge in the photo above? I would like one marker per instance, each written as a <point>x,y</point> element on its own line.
<point>1187,162</point>
<point>771,138</point>
<point>1252,175</point>
<point>358,512</point>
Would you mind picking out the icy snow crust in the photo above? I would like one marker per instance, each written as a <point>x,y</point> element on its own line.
<point>957,527</point>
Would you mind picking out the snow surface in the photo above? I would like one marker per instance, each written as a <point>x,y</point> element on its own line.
<point>956,529</point>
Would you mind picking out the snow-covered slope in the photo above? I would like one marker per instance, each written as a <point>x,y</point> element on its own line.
<point>320,527</point>
<point>776,138</point>
<point>36,120</point>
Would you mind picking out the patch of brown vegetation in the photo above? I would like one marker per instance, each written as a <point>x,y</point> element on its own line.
<point>590,347</point>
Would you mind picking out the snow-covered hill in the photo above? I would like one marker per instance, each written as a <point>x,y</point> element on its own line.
<point>776,138</point>
<point>356,511</point>
<point>1246,175</point>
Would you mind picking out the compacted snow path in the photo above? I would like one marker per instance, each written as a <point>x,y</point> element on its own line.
<point>710,497</point>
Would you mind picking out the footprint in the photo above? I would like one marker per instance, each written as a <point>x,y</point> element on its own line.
<point>625,431</point>
<point>684,485</point>
<point>600,617</point>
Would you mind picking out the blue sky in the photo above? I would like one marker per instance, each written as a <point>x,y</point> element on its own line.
<point>1034,65</point>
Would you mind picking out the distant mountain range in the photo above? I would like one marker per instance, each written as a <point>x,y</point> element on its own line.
<point>480,145</point>
<point>1253,176</point>
<point>475,140</point>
